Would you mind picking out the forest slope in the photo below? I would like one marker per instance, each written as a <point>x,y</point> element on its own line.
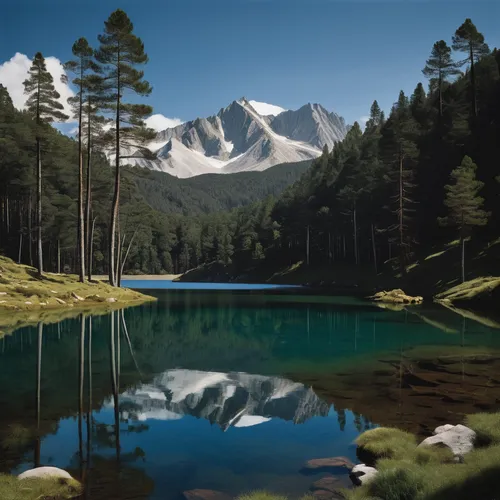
<point>208,193</point>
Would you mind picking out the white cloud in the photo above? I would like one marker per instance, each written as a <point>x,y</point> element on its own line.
<point>160,122</point>
<point>265,109</point>
<point>363,121</point>
<point>14,71</point>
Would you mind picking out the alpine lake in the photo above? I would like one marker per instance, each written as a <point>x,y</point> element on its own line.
<point>233,388</point>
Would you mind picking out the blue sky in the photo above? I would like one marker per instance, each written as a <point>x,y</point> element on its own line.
<point>205,53</point>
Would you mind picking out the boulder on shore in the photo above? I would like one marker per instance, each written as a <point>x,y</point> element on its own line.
<point>460,439</point>
<point>45,473</point>
<point>396,296</point>
<point>362,474</point>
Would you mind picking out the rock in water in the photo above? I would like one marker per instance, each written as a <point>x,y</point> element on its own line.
<point>396,296</point>
<point>45,473</point>
<point>326,463</point>
<point>459,439</point>
<point>362,474</point>
<point>205,495</point>
<point>328,483</point>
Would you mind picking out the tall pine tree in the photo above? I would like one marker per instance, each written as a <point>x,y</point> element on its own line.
<point>464,205</point>
<point>439,68</point>
<point>44,107</point>
<point>469,40</point>
<point>81,66</point>
<point>120,52</point>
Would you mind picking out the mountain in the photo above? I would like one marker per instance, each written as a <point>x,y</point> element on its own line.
<point>212,192</point>
<point>240,139</point>
<point>227,399</point>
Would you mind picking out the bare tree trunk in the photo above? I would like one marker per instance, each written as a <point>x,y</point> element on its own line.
<point>91,248</point>
<point>329,247</point>
<point>401,219</point>
<point>307,246</point>
<point>88,202</point>
<point>39,206</point>
<point>58,256</point>
<point>355,229</point>
<point>121,241</point>
<point>343,241</point>
<point>30,230</point>
<point>462,244</point>
<point>20,247</point>
<point>81,232</point>
<point>374,247</point>
<point>116,195</point>
<point>124,260</point>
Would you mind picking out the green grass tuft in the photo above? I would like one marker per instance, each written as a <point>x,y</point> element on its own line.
<point>11,488</point>
<point>386,442</point>
<point>486,426</point>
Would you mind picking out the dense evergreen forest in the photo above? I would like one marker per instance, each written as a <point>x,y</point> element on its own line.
<point>214,192</point>
<point>424,175</point>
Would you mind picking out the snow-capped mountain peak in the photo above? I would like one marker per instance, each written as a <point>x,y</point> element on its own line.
<point>246,135</point>
<point>265,109</point>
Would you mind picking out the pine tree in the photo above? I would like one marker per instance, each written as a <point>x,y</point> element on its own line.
<point>376,116</point>
<point>44,107</point>
<point>399,147</point>
<point>469,40</point>
<point>120,52</point>
<point>464,205</point>
<point>440,67</point>
<point>81,66</point>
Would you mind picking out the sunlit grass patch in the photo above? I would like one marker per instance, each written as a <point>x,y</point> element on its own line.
<point>486,426</point>
<point>11,488</point>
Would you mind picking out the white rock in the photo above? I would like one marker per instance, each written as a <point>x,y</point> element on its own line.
<point>28,303</point>
<point>44,473</point>
<point>362,474</point>
<point>459,439</point>
<point>3,293</point>
<point>111,299</point>
<point>443,428</point>
<point>61,301</point>
<point>3,301</point>
<point>76,297</point>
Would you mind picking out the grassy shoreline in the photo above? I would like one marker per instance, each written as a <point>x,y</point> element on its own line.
<point>25,298</point>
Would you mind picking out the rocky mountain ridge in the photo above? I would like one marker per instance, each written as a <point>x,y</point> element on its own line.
<point>239,139</point>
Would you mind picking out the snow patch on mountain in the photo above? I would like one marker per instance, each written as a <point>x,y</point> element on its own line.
<point>265,109</point>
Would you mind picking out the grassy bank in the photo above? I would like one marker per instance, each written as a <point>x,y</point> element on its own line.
<point>430,473</point>
<point>25,298</point>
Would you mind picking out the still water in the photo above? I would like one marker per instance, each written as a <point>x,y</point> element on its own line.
<point>232,390</point>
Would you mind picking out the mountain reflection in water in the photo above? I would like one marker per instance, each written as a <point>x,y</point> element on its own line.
<point>226,399</point>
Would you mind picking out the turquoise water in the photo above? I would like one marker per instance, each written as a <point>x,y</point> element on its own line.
<point>214,389</point>
<point>180,285</point>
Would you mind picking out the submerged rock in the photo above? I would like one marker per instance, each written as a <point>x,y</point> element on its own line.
<point>205,495</point>
<point>460,439</point>
<point>362,474</point>
<point>396,296</point>
<point>45,473</point>
<point>328,484</point>
<point>325,463</point>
